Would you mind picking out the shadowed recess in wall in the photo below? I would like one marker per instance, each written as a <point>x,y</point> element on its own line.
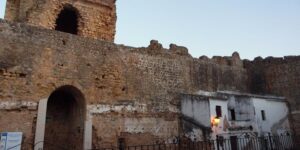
<point>67,20</point>
<point>65,119</point>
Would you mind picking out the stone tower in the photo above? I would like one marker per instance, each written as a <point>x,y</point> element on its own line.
<point>87,18</point>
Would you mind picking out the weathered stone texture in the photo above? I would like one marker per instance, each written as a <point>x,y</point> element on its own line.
<point>20,120</point>
<point>129,93</point>
<point>97,19</point>
<point>110,127</point>
<point>124,83</point>
<point>277,76</point>
<point>214,77</point>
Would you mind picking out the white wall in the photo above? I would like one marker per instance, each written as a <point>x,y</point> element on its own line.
<point>223,103</point>
<point>197,110</point>
<point>247,106</point>
<point>225,122</point>
<point>276,113</point>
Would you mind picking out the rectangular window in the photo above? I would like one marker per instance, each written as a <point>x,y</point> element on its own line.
<point>263,115</point>
<point>219,111</point>
<point>232,114</point>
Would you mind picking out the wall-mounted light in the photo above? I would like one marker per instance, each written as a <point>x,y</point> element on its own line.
<point>215,121</point>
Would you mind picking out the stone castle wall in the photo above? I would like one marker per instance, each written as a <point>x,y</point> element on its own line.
<point>277,76</point>
<point>97,19</point>
<point>130,92</point>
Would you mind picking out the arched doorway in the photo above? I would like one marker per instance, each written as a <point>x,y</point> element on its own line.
<point>65,119</point>
<point>67,20</point>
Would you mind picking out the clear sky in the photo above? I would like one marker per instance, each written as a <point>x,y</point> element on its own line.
<point>211,27</point>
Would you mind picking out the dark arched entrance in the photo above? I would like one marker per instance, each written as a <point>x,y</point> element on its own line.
<point>65,119</point>
<point>67,20</point>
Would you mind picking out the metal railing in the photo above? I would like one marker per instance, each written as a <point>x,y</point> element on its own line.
<point>26,146</point>
<point>252,143</point>
<point>286,142</point>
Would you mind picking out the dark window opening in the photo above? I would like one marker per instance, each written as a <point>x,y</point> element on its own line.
<point>219,111</point>
<point>67,20</point>
<point>232,114</point>
<point>263,115</point>
<point>121,143</point>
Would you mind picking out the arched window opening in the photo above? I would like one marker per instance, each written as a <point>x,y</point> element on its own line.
<point>67,20</point>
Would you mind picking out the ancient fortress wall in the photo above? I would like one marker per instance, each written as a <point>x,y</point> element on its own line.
<point>97,19</point>
<point>277,76</point>
<point>129,92</point>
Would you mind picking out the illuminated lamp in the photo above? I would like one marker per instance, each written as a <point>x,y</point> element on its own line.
<point>215,121</point>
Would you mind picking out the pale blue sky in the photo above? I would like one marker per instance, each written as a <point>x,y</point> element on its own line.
<point>211,27</point>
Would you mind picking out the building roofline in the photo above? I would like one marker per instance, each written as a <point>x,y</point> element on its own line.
<point>268,97</point>
<point>224,95</point>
